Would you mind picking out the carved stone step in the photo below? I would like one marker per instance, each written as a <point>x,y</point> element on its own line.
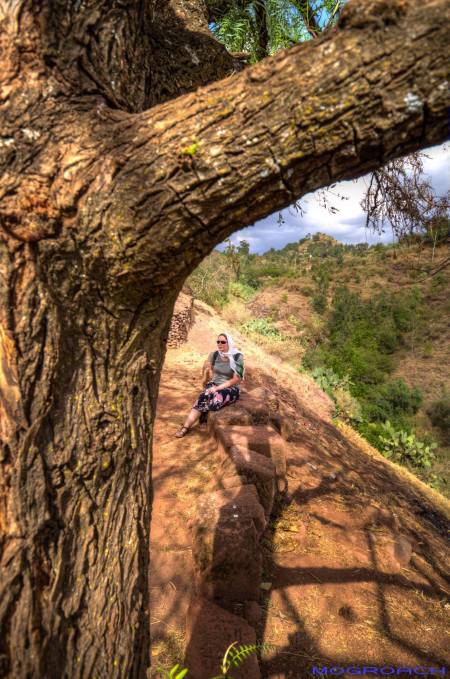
<point>250,467</point>
<point>228,416</point>
<point>210,630</point>
<point>226,531</point>
<point>261,439</point>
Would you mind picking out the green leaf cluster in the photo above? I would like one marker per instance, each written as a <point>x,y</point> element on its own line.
<point>241,290</point>
<point>263,327</point>
<point>329,381</point>
<point>402,446</point>
<point>234,656</point>
<point>338,388</point>
<point>176,672</point>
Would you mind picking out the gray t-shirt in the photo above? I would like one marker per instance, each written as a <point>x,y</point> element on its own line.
<point>221,370</point>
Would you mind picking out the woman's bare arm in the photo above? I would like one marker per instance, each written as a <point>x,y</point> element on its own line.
<point>207,373</point>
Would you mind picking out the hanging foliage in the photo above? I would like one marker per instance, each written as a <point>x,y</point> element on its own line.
<point>263,27</point>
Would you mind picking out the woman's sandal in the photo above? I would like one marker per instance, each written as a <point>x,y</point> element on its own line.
<point>182,432</point>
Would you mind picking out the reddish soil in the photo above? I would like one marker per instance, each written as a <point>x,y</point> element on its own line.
<point>355,567</point>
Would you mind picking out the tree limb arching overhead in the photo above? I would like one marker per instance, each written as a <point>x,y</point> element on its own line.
<point>233,152</point>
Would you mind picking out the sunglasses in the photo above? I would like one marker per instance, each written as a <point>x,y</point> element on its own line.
<point>221,341</point>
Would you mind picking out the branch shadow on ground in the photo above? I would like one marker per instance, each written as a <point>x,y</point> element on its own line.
<point>331,453</point>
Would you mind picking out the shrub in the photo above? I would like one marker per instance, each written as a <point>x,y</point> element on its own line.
<point>307,291</point>
<point>271,269</point>
<point>438,281</point>
<point>405,309</point>
<point>439,413</point>
<point>251,280</point>
<point>328,380</point>
<point>427,350</point>
<point>371,432</point>
<point>319,303</point>
<point>241,290</point>
<point>263,327</point>
<point>391,400</point>
<point>347,407</point>
<point>403,447</point>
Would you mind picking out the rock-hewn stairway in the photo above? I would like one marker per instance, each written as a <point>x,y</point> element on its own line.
<point>227,530</point>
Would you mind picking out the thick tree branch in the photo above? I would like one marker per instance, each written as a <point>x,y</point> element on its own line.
<point>212,162</point>
<point>135,54</point>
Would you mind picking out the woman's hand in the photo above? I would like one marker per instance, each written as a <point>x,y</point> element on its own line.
<point>212,390</point>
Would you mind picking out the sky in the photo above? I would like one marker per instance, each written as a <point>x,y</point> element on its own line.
<point>347,225</point>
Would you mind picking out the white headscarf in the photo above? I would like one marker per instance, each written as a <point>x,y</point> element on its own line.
<point>232,350</point>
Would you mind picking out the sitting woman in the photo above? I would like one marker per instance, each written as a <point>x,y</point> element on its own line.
<point>225,370</point>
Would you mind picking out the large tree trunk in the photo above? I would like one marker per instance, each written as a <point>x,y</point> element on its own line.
<point>106,205</point>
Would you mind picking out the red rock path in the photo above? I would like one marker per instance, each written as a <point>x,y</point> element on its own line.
<point>356,564</point>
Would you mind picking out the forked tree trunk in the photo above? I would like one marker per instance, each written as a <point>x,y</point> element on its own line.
<point>108,199</point>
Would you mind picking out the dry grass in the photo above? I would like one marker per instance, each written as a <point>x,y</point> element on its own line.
<point>167,652</point>
<point>236,312</point>
<point>435,498</point>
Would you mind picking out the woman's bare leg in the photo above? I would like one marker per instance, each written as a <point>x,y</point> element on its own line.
<point>192,418</point>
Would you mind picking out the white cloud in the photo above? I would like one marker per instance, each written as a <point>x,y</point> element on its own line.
<point>348,224</point>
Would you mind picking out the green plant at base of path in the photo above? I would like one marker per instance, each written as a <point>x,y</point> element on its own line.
<point>233,657</point>
<point>400,446</point>
<point>176,672</point>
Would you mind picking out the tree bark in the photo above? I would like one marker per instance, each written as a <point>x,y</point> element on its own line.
<point>261,27</point>
<point>106,205</point>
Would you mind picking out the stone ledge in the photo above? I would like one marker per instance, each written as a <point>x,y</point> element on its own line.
<point>226,533</point>
<point>260,439</point>
<point>250,467</point>
<point>229,416</point>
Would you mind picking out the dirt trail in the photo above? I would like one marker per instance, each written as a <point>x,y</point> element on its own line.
<point>356,563</point>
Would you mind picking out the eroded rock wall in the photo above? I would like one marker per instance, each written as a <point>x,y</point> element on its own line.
<point>182,319</point>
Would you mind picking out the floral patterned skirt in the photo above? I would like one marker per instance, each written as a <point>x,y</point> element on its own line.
<point>224,397</point>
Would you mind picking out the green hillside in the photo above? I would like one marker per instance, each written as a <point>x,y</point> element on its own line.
<point>371,324</point>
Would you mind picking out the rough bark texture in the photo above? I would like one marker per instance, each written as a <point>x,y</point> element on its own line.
<point>106,205</point>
